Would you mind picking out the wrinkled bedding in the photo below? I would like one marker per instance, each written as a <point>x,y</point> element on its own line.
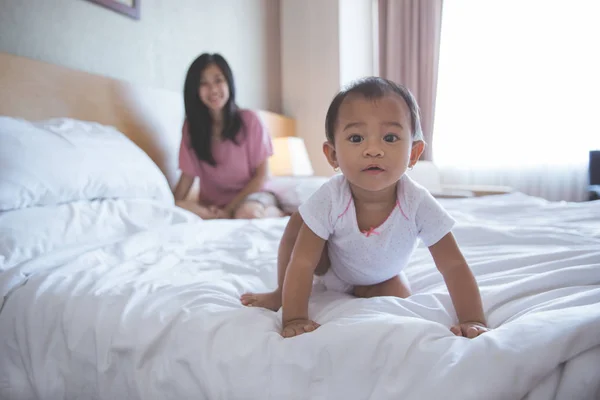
<point>136,299</point>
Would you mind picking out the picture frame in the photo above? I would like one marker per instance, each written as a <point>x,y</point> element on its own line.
<point>130,8</point>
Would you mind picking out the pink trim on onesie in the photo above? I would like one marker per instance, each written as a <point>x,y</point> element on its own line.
<point>372,231</point>
<point>346,209</point>
<point>401,210</point>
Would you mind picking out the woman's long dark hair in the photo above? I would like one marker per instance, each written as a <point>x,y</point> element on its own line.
<point>198,116</point>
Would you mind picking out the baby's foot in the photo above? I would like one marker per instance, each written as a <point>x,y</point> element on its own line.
<point>271,300</point>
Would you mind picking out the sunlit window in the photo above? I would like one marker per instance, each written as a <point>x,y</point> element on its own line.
<point>519,83</point>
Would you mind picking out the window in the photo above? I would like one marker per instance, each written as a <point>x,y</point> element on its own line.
<point>518,84</point>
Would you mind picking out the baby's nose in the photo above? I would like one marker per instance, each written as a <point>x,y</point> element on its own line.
<point>373,150</point>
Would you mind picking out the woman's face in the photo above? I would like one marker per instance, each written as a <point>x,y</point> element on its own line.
<point>213,90</point>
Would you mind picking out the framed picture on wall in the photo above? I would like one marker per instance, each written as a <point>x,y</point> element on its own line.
<point>131,8</point>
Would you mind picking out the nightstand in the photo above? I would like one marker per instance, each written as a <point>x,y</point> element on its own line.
<point>594,192</point>
<point>427,174</point>
<point>594,175</point>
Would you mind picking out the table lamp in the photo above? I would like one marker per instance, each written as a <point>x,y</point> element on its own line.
<point>290,157</point>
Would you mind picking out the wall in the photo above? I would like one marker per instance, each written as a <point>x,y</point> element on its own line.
<point>324,45</point>
<point>310,69</point>
<point>156,50</point>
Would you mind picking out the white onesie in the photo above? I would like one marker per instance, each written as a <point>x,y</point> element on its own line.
<point>376,255</point>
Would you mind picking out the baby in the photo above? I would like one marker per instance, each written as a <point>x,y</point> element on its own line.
<point>358,231</point>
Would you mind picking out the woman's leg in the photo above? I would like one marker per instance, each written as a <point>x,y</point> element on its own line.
<point>258,205</point>
<point>398,286</point>
<point>254,209</point>
<point>272,300</point>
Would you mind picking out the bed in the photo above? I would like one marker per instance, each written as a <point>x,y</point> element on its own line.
<point>108,291</point>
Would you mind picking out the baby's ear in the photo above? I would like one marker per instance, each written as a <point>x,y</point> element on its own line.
<point>416,151</point>
<point>329,151</point>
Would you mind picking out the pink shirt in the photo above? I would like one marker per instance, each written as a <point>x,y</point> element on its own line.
<point>236,163</point>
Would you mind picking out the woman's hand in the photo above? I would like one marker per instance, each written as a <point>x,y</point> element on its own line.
<point>220,213</point>
<point>297,327</point>
<point>201,211</point>
<point>223,214</point>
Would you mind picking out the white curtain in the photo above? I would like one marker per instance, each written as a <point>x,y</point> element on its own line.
<point>519,94</point>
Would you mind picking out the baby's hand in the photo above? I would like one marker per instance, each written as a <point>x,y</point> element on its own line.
<point>469,329</point>
<point>297,327</point>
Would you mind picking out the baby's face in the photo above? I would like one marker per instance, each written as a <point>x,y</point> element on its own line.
<point>373,140</point>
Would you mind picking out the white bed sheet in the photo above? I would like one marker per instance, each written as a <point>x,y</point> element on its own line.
<point>152,312</point>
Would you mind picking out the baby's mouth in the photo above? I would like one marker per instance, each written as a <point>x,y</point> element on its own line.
<point>373,168</point>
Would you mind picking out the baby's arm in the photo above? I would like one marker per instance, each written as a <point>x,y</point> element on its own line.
<point>461,285</point>
<point>297,284</point>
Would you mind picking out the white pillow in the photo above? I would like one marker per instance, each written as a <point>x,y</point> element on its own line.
<point>63,160</point>
<point>293,191</point>
<point>34,231</point>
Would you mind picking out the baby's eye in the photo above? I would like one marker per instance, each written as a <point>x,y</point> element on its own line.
<point>391,138</point>
<point>355,139</point>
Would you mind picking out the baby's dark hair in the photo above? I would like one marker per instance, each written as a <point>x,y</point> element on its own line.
<point>373,88</point>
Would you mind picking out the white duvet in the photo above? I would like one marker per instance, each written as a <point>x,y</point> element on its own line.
<point>134,299</point>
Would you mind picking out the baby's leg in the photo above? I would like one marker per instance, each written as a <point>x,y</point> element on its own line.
<point>397,286</point>
<point>272,300</point>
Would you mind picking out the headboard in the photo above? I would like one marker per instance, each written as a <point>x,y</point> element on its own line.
<point>151,118</point>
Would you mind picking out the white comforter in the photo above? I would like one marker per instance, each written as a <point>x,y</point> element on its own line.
<point>126,299</point>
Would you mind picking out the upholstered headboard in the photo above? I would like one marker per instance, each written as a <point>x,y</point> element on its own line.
<point>151,118</point>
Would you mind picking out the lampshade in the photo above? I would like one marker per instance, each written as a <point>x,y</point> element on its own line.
<point>290,157</point>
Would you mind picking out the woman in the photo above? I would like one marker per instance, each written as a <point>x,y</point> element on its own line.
<point>226,147</point>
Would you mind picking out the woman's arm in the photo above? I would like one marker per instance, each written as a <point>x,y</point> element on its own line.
<point>459,280</point>
<point>256,184</point>
<point>181,191</point>
<point>183,187</point>
<point>297,284</point>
